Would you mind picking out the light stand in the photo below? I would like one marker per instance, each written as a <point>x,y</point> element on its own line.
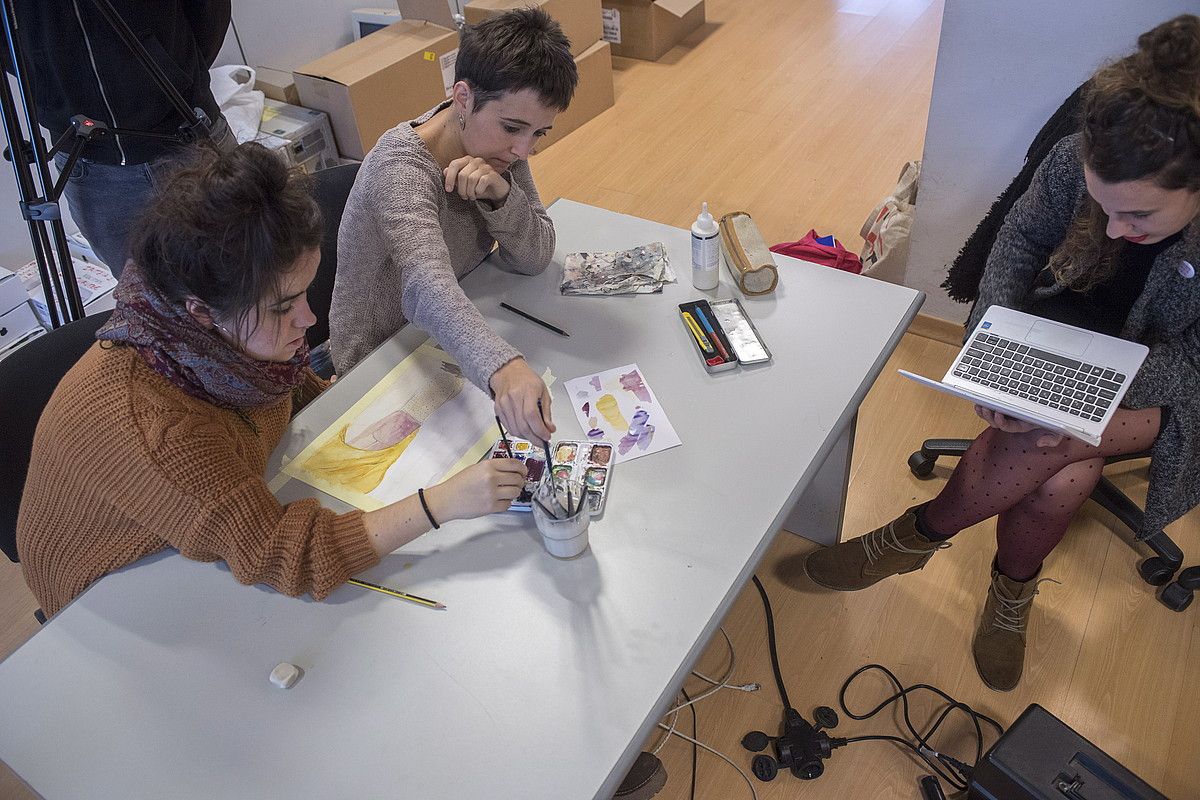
<point>31,160</point>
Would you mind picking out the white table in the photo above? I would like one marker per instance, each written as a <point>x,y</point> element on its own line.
<point>543,677</point>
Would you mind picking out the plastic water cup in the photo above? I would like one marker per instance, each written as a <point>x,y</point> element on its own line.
<point>563,538</point>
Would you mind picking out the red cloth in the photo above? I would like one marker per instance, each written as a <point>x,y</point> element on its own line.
<point>809,249</point>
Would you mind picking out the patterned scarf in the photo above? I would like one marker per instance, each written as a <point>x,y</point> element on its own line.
<point>192,357</point>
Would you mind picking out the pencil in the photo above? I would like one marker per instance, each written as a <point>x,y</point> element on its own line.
<point>412,598</point>
<point>534,319</point>
<point>712,334</point>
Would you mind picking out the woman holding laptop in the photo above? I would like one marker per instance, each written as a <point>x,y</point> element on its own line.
<point>1106,237</point>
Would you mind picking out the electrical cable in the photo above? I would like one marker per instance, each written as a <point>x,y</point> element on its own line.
<point>723,683</point>
<point>956,773</point>
<point>771,642</point>
<point>695,736</point>
<point>716,753</point>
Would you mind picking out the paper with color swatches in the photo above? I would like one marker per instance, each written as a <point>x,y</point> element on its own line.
<point>617,405</point>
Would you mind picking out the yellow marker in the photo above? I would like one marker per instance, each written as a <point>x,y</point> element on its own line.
<point>701,339</point>
<point>412,598</point>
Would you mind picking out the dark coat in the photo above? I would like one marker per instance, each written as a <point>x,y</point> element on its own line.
<point>77,65</point>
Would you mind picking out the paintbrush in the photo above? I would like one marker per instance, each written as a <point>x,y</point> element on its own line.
<point>546,444</point>
<point>504,438</point>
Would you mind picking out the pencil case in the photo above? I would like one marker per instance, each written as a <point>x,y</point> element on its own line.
<point>724,323</point>
<point>746,254</point>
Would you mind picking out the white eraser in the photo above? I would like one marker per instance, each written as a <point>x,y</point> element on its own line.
<point>285,675</point>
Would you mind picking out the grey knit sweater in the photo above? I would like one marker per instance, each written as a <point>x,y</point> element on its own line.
<point>1165,318</point>
<point>404,244</point>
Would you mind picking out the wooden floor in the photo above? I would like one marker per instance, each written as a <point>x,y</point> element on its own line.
<point>802,112</point>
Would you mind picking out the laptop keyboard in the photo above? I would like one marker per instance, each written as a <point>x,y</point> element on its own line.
<point>1064,384</point>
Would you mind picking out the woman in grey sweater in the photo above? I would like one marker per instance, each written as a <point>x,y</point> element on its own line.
<point>1107,237</point>
<point>436,193</point>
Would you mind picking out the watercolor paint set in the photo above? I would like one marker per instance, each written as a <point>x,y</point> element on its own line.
<point>723,334</point>
<point>579,464</point>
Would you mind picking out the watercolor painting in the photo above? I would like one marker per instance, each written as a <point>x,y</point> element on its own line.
<point>618,405</point>
<point>422,423</point>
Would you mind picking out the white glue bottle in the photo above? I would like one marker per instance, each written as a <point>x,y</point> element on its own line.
<point>706,250</point>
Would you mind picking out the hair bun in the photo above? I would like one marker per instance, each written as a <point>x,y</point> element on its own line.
<point>1174,47</point>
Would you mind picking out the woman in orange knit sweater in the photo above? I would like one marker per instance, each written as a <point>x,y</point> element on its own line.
<point>160,435</point>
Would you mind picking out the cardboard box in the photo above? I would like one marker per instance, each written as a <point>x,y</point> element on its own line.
<point>580,19</point>
<point>593,94</point>
<point>301,135</point>
<point>276,85</point>
<point>647,29</point>
<point>438,11</point>
<point>374,84</point>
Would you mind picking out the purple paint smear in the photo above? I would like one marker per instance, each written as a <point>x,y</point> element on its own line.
<point>641,433</point>
<point>595,383</point>
<point>632,382</point>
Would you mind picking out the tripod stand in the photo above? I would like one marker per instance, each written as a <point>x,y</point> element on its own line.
<point>31,161</point>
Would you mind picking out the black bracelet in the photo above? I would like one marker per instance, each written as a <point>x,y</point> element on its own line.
<point>425,505</point>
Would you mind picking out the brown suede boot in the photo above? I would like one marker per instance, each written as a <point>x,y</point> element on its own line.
<point>855,564</point>
<point>999,644</point>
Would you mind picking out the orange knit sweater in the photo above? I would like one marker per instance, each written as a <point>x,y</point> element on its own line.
<point>125,464</point>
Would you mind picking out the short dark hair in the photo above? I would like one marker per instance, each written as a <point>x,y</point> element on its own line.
<point>225,227</point>
<point>520,49</point>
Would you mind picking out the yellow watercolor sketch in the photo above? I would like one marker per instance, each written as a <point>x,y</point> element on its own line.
<point>422,423</point>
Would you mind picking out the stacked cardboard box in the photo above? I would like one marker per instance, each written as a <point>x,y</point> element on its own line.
<point>374,84</point>
<point>649,28</point>
<point>580,21</point>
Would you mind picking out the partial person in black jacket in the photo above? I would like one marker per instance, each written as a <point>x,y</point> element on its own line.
<point>78,65</point>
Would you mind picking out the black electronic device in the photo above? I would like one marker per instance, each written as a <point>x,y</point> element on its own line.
<point>1041,758</point>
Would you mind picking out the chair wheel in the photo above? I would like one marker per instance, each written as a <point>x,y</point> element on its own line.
<point>1176,597</point>
<point>1155,571</point>
<point>921,465</point>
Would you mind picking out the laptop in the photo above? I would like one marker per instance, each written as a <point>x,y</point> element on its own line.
<point>1061,378</point>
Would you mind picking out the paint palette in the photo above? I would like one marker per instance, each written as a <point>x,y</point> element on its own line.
<point>587,464</point>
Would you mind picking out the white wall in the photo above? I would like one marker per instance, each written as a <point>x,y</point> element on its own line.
<point>287,33</point>
<point>1002,70</point>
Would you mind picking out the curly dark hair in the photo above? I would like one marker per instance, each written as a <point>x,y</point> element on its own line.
<point>1141,120</point>
<point>224,228</point>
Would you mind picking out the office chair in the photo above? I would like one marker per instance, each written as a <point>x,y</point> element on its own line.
<point>331,187</point>
<point>29,376</point>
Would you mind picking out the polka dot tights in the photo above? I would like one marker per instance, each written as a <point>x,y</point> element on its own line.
<point>1034,490</point>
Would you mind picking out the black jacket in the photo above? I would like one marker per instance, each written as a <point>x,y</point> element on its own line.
<point>78,65</point>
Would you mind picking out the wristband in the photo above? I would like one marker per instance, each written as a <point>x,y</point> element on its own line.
<point>425,505</point>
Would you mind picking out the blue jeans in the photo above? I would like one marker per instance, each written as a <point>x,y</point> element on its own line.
<point>107,199</point>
